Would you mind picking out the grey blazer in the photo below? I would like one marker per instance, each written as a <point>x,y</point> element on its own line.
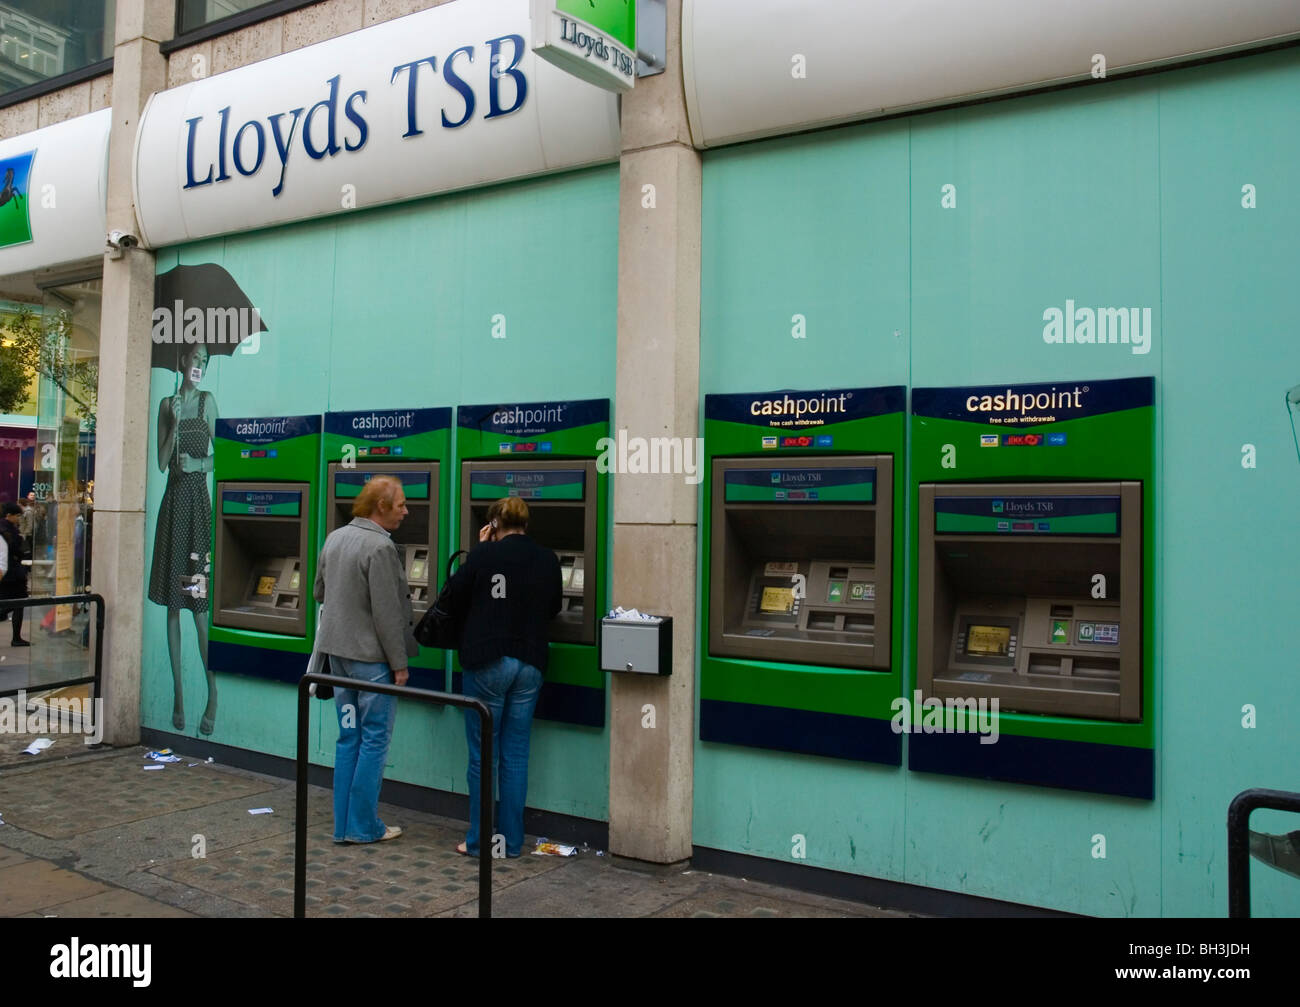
<point>367,613</point>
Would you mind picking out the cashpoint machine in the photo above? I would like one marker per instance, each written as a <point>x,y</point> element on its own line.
<point>801,538</point>
<point>1033,530</point>
<point>264,560</point>
<point>545,453</point>
<point>413,446</point>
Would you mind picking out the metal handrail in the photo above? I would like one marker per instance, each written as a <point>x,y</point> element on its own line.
<point>8,604</point>
<point>1239,841</point>
<point>402,692</point>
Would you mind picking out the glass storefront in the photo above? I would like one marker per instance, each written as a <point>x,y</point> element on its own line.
<point>43,39</point>
<point>196,14</point>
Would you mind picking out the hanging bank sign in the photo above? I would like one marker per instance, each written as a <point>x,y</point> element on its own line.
<point>446,99</point>
<point>595,40</point>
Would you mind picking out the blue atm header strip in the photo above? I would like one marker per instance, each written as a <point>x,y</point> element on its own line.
<point>266,429</point>
<point>790,409</point>
<point>1043,403</point>
<point>526,419</point>
<point>387,424</point>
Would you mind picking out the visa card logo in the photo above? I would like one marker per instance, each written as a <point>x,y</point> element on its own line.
<point>769,442</point>
<point>245,454</point>
<point>1004,525</point>
<point>779,495</point>
<point>989,440</point>
<point>504,449</point>
<point>1055,440</point>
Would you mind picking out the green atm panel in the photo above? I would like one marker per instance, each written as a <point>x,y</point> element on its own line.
<point>801,622</point>
<point>1033,551</point>
<point>264,555</point>
<point>414,446</point>
<point>545,453</point>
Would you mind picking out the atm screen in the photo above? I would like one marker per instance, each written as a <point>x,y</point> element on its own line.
<point>578,579</point>
<point>566,570</point>
<point>988,641</point>
<point>417,569</point>
<point>777,601</point>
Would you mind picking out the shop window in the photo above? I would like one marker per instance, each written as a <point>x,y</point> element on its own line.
<point>44,43</point>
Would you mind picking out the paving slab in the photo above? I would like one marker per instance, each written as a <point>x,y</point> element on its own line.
<point>418,874</point>
<point>35,884</point>
<point>88,794</point>
<point>205,830</point>
<point>116,903</point>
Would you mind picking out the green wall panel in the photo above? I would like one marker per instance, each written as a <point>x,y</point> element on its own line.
<point>1127,194</point>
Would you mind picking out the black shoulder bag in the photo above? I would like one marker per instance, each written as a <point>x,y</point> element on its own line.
<point>437,627</point>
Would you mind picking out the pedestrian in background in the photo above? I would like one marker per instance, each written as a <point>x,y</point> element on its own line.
<point>504,596</point>
<point>13,574</point>
<point>365,628</point>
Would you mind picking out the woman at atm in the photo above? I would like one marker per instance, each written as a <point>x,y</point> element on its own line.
<point>504,596</point>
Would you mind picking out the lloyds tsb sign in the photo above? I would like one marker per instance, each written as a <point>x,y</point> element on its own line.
<point>215,146</point>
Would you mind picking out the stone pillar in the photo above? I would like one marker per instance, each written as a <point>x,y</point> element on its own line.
<point>655,516</point>
<point>122,425</point>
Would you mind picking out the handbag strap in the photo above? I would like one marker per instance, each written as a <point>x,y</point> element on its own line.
<point>452,559</point>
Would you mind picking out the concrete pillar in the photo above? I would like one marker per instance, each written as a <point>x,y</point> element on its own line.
<point>122,425</point>
<point>655,516</point>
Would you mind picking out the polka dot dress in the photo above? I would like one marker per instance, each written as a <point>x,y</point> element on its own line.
<point>182,540</point>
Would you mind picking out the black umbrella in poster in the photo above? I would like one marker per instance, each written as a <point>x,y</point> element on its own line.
<point>200,304</point>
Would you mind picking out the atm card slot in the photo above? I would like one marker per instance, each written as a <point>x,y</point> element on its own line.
<point>1047,664</point>
<point>1097,667</point>
<point>859,624</point>
<point>823,620</point>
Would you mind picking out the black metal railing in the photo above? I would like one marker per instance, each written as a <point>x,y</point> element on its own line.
<point>7,605</point>
<point>1239,841</point>
<point>402,692</point>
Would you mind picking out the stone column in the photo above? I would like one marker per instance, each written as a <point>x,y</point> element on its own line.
<point>655,516</point>
<point>122,425</point>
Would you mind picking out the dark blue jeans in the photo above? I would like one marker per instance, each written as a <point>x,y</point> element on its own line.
<point>365,728</point>
<point>509,688</point>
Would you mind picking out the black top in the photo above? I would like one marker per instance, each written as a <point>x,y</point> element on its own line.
<point>504,597</point>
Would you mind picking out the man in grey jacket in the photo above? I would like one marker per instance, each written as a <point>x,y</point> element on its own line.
<point>365,628</point>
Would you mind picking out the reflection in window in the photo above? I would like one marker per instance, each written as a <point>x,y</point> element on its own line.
<point>41,39</point>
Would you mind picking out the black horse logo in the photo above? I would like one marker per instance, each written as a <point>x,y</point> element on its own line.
<point>10,191</point>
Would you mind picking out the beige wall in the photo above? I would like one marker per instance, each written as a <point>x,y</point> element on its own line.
<point>284,34</point>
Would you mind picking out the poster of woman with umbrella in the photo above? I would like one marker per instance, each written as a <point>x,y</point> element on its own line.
<point>187,421</point>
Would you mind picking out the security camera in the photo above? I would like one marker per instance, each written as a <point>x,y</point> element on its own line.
<point>120,241</point>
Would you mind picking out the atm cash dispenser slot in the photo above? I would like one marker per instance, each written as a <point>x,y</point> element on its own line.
<point>1031,593</point>
<point>416,537</point>
<point>561,498</point>
<point>801,559</point>
<point>259,557</point>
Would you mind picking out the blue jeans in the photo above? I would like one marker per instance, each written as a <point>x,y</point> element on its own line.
<point>365,728</point>
<point>509,688</point>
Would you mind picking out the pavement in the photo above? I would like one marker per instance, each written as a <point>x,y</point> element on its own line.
<point>89,832</point>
